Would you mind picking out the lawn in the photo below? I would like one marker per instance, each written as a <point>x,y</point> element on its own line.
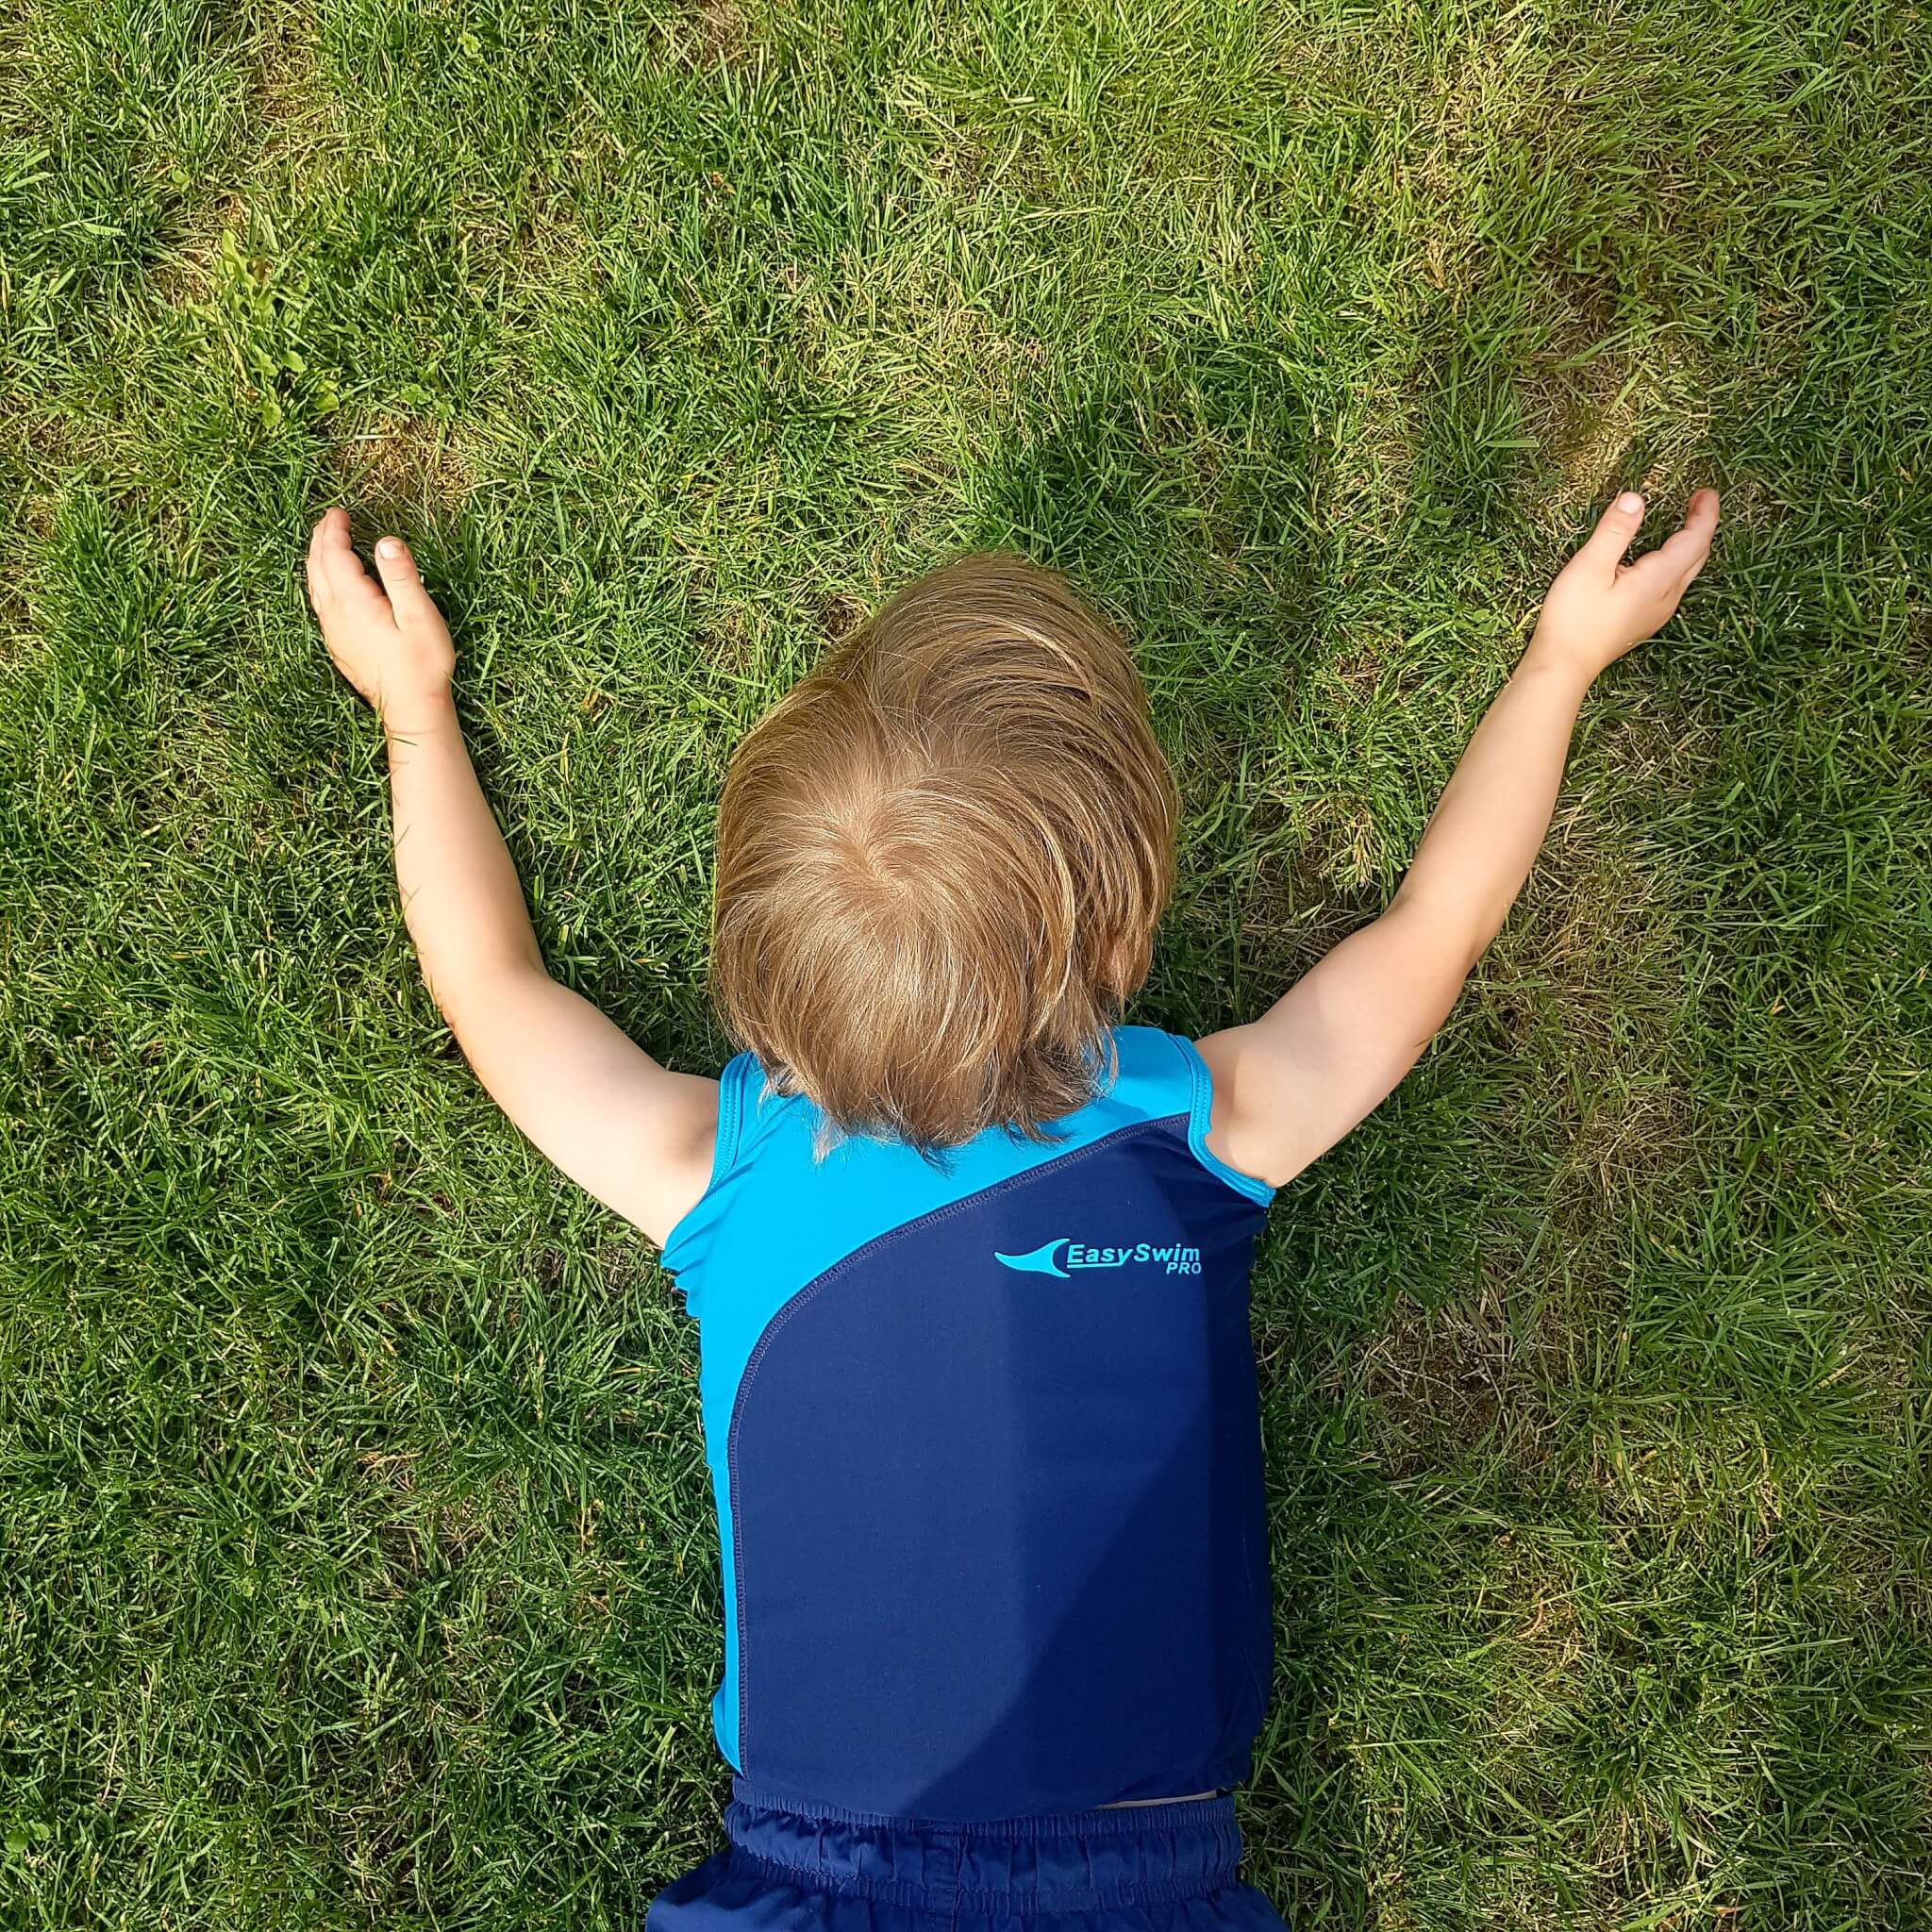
<point>357,1567</point>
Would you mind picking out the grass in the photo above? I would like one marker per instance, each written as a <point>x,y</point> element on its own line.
<point>358,1563</point>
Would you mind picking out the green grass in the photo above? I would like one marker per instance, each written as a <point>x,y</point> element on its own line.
<point>357,1569</point>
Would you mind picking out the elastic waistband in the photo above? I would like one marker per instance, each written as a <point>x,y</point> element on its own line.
<point>1075,1861</point>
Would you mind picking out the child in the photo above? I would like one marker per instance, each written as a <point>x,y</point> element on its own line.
<point>969,1260</point>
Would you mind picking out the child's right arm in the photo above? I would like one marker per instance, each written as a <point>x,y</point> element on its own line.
<point>1322,1058</point>
<point>631,1132</point>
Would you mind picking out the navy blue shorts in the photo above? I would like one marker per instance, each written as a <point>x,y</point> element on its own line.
<point>1154,1867</point>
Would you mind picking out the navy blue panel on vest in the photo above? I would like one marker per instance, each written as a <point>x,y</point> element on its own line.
<point>997,1507</point>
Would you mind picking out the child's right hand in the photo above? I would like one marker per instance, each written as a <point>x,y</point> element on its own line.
<point>1601,605</point>
<point>388,640</point>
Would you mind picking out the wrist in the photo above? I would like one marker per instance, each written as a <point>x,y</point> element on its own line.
<point>1551,656</point>
<point>418,712</point>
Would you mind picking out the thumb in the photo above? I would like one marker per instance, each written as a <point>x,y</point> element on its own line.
<point>1616,530</point>
<point>397,569</point>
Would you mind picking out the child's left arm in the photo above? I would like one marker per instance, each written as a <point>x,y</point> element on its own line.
<point>631,1132</point>
<point>1324,1056</point>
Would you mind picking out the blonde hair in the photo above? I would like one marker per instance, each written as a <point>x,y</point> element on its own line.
<point>941,858</point>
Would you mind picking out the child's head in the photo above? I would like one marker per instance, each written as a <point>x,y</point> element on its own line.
<point>941,859</point>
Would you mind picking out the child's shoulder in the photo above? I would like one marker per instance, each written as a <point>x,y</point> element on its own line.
<point>1156,1073</point>
<point>775,1171</point>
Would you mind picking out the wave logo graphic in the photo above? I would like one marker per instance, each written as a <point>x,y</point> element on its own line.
<point>1172,1258</point>
<point>1040,1262</point>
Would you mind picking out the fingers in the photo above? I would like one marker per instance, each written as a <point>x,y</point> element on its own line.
<point>332,523</point>
<point>400,579</point>
<point>1616,530</point>
<point>338,584</point>
<point>1700,526</point>
<point>1678,559</point>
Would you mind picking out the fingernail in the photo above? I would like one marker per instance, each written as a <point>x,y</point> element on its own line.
<point>1630,503</point>
<point>389,547</point>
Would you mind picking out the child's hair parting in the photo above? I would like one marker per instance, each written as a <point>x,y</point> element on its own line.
<point>941,858</point>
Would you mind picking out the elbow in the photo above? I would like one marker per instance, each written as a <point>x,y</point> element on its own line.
<point>1446,926</point>
<point>1430,1014</point>
<point>1441,945</point>
<point>469,998</point>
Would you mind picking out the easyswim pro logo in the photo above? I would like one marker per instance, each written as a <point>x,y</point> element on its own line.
<point>1171,1259</point>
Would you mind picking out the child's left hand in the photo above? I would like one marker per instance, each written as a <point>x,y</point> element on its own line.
<point>388,640</point>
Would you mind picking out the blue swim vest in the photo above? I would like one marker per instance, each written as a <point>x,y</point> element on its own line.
<point>984,1443</point>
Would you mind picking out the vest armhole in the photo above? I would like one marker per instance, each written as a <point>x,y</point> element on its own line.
<point>730,1113</point>
<point>1200,1120</point>
<point>725,1145</point>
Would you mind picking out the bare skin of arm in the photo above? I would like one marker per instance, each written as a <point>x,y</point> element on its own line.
<point>1289,1085</point>
<point>631,1132</point>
